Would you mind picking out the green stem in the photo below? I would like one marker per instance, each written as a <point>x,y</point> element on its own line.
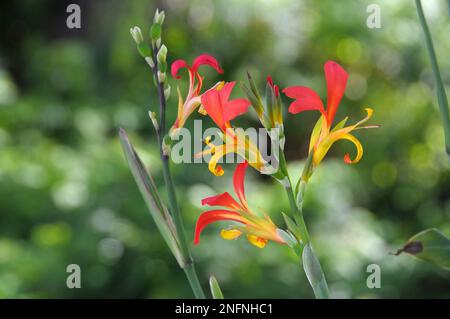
<point>311,263</point>
<point>188,267</point>
<point>440,90</point>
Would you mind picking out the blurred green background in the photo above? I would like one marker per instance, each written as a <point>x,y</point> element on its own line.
<point>67,196</point>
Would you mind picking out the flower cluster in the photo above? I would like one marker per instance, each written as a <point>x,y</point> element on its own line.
<point>216,103</point>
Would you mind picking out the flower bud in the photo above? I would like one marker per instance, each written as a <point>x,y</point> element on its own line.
<point>167,145</point>
<point>161,77</point>
<point>150,62</point>
<point>152,116</point>
<point>159,17</point>
<point>167,92</point>
<point>162,54</point>
<point>137,35</point>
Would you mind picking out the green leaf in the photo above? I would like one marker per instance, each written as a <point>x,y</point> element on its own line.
<point>429,245</point>
<point>340,125</point>
<point>155,31</point>
<point>440,88</point>
<point>288,238</point>
<point>314,273</point>
<point>292,226</point>
<point>216,292</point>
<point>270,103</point>
<point>151,196</point>
<point>144,50</point>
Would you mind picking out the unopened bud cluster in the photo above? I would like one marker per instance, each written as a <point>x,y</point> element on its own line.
<point>155,54</point>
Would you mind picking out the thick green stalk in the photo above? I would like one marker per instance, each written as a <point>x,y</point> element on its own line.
<point>311,264</point>
<point>440,90</point>
<point>189,268</point>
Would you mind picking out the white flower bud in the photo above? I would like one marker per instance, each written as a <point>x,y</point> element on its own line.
<point>159,17</point>
<point>137,35</point>
<point>167,92</point>
<point>150,62</point>
<point>161,77</point>
<point>162,54</point>
<point>152,116</point>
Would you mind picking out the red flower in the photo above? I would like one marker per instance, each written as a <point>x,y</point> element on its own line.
<point>192,101</point>
<point>323,137</point>
<point>259,230</point>
<point>307,99</point>
<point>218,106</point>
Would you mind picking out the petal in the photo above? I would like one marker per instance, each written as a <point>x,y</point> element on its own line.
<point>350,128</point>
<point>336,82</point>
<point>315,133</point>
<point>215,101</point>
<point>225,91</point>
<point>324,147</point>
<point>359,149</point>
<point>235,108</point>
<point>206,59</point>
<point>213,216</point>
<point>212,103</point>
<point>223,199</point>
<point>177,65</point>
<point>306,99</point>
<point>238,182</point>
<point>219,152</point>
<point>230,234</point>
<point>257,241</point>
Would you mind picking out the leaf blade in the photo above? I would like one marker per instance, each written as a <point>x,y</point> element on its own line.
<point>216,292</point>
<point>151,197</point>
<point>429,245</point>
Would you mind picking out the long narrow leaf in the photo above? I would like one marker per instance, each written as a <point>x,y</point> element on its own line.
<point>440,89</point>
<point>150,194</point>
<point>216,292</point>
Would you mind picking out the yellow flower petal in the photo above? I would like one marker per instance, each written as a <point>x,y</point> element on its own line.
<point>219,152</point>
<point>257,241</point>
<point>323,147</point>
<point>315,133</point>
<point>230,234</point>
<point>359,149</point>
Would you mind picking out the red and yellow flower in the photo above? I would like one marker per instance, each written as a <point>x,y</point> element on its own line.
<point>259,230</point>
<point>323,136</point>
<point>193,97</point>
<point>217,105</point>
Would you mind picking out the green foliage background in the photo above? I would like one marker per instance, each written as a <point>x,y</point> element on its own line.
<point>67,196</point>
